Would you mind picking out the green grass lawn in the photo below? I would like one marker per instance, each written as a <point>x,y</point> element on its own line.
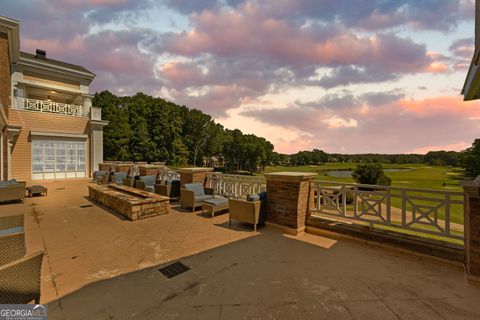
<point>421,176</point>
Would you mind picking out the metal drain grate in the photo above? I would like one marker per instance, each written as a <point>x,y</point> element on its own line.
<point>174,269</point>
<point>86,206</point>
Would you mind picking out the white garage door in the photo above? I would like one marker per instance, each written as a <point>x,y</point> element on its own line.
<point>54,158</point>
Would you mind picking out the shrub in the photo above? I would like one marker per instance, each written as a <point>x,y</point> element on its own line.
<point>370,173</point>
<point>384,180</point>
<point>471,159</point>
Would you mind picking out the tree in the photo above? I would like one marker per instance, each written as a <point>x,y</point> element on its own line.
<point>370,173</point>
<point>117,135</point>
<point>442,158</point>
<point>199,128</point>
<point>471,159</point>
<point>144,128</point>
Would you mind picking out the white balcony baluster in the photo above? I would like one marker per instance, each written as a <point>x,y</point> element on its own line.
<point>48,107</point>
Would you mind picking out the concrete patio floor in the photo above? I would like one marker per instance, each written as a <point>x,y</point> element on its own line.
<point>100,266</point>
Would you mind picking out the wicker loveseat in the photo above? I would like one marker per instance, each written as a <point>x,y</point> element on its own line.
<point>253,210</point>
<point>12,190</point>
<point>192,195</point>
<point>19,273</point>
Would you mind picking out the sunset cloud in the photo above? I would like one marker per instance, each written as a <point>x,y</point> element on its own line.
<point>344,76</point>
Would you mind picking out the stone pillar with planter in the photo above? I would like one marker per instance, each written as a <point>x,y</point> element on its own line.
<point>288,196</point>
<point>191,175</point>
<point>472,228</point>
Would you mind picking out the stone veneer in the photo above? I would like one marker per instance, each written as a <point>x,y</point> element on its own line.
<point>150,170</point>
<point>105,166</point>
<point>472,228</point>
<point>123,168</point>
<point>287,199</point>
<point>192,175</point>
<point>129,202</point>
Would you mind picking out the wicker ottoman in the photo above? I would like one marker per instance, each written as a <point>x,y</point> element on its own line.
<point>214,205</point>
<point>37,190</point>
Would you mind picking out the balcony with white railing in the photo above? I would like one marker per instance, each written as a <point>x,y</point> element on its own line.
<point>48,106</point>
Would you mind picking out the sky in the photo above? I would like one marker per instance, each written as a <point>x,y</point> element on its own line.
<point>357,76</point>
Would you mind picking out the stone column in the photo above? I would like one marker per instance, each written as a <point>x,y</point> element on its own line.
<point>288,199</point>
<point>191,175</point>
<point>472,228</point>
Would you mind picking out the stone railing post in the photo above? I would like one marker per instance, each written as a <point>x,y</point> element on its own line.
<point>190,175</point>
<point>287,199</point>
<point>472,228</point>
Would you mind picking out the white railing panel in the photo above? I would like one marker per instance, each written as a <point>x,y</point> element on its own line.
<point>417,210</point>
<point>235,186</point>
<point>48,107</point>
<point>168,174</point>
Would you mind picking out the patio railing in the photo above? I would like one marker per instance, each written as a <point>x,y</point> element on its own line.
<point>434,212</point>
<point>168,174</point>
<point>47,106</point>
<point>235,186</point>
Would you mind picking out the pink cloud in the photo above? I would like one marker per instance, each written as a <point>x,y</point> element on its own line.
<point>247,31</point>
<point>402,126</point>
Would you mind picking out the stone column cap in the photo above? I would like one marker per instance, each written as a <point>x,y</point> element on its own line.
<point>472,187</point>
<point>194,170</point>
<point>290,176</point>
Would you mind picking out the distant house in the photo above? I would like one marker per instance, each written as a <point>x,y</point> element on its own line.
<point>213,161</point>
<point>471,87</point>
<point>48,128</point>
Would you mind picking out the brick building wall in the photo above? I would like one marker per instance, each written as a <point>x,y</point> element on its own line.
<point>472,235</point>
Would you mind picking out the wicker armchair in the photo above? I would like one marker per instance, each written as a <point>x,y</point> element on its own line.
<point>20,280</point>
<point>12,247</point>
<point>253,212</point>
<point>171,189</point>
<point>9,222</point>
<point>98,176</point>
<point>128,182</point>
<point>145,183</point>
<point>192,195</point>
<point>117,177</point>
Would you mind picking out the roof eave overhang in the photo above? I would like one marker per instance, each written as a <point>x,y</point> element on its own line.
<point>45,67</point>
<point>12,29</point>
<point>471,87</point>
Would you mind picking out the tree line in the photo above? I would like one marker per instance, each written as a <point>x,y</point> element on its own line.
<point>144,128</point>
<point>315,157</point>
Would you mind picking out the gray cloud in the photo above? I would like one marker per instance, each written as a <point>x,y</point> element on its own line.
<point>190,6</point>
<point>346,75</point>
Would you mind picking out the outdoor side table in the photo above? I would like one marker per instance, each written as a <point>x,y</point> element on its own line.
<point>214,205</point>
<point>37,190</point>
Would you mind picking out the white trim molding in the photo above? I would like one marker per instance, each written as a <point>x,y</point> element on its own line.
<point>58,134</point>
